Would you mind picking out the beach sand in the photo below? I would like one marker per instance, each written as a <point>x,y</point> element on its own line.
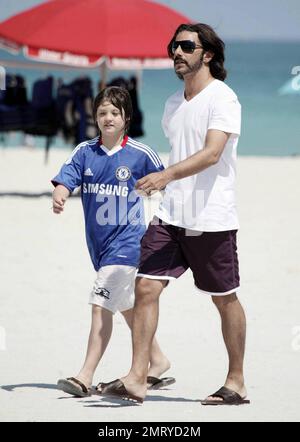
<point>46,276</point>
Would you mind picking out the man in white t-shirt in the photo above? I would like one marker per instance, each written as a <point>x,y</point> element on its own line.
<point>195,226</point>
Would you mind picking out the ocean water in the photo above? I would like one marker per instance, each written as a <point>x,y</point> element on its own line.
<point>256,72</point>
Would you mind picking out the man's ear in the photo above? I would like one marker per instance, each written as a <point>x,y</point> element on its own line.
<point>208,56</point>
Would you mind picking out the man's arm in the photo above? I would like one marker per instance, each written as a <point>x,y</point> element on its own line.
<point>210,155</point>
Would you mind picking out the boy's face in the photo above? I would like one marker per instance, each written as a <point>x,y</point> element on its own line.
<point>110,120</point>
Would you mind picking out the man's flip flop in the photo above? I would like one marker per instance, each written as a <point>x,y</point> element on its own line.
<point>157,383</point>
<point>229,397</point>
<point>117,389</point>
<point>79,390</point>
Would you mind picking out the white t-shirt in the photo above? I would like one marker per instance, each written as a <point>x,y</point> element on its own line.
<point>205,201</point>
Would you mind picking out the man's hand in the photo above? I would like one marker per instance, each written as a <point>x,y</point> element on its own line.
<point>153,182</point>
<point>59,197</point>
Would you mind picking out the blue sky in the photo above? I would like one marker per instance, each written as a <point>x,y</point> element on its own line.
<point>233,19</point>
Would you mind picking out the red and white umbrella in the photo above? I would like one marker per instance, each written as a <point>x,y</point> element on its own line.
<point>85,33</point>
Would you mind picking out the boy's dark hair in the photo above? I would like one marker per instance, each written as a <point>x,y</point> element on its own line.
<point>120,98</point>
<point>210,42</point>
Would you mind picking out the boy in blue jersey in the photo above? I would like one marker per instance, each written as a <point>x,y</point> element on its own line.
<point>107,169</point>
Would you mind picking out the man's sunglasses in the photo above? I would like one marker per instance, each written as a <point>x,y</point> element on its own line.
<point>187,46</point>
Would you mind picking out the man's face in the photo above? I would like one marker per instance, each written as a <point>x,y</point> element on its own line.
<point>187,63</point>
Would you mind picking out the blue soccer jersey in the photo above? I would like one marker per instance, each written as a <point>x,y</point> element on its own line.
<point>113,211</point>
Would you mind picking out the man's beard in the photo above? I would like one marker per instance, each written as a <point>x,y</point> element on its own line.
<point>191,68</point>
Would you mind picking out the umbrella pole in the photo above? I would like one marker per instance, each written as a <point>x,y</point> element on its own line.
<point>47,148</point>
<point>139,76</point>
<point>103,73</point>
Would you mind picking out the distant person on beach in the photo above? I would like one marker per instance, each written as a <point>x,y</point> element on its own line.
<point>196,223</point>
<point>107,169</point>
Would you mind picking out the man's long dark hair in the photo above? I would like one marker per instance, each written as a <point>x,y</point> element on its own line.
<point>210,42</point>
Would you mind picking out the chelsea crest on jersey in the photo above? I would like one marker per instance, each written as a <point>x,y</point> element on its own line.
<point>114,215</point>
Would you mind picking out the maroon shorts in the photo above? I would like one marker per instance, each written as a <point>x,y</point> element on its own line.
<point>168,251</point>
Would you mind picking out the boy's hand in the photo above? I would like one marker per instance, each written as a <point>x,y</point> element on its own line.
<point>60,195</point>
<point>58,204</point>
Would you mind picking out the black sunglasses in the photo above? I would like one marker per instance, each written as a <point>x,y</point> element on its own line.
<point>187,46</point>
